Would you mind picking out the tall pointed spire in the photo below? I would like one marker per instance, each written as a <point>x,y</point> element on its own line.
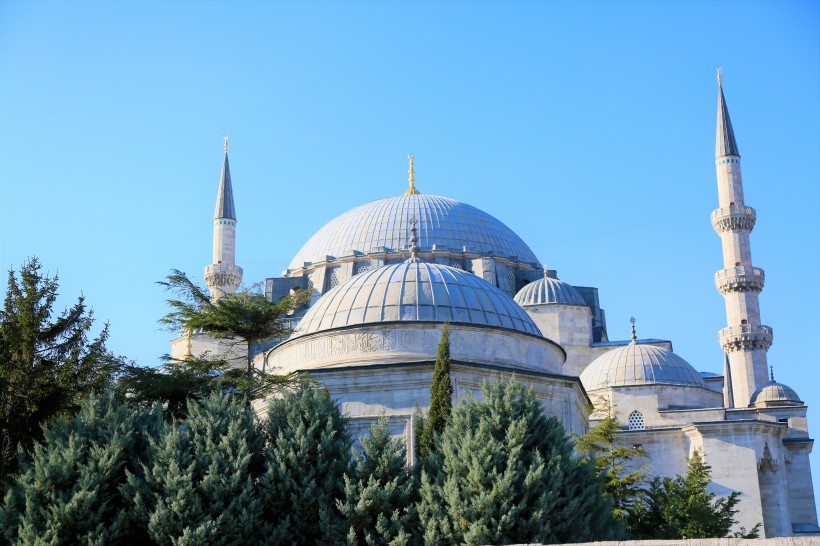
<point>224,199</point>
<point>726,144</point>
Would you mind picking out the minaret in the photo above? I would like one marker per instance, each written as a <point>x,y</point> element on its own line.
<point>744,339</point>
<point>223,275</point>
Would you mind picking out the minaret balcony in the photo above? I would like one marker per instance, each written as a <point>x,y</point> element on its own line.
<point>746,337</point>
<point>740,279</point>
<point>734,217</point>
<point>225,277</point>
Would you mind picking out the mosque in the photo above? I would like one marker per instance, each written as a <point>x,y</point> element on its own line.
<point>388,274</point>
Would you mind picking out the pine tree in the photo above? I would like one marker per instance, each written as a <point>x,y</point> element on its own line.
<point>441,397</point>
<point>198,486</point>
<point>69,493</point>
<point>610,459</point>
<point>504,473</point>
<point>379,492</point>
<point>307,457</point>
<point>48,365</point>
<point>682,508</point>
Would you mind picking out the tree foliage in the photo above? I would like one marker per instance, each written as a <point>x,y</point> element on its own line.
<point>198,485</point>
<point>246,316</point>
<point>48,364</point>
<point>504,473</point>
<point>379,492</point>
<point>307,456</point>
<point>682,508</point>
<point>441,398</point>
<point>598,446</point>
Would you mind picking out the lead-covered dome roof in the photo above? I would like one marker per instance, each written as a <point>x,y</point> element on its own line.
<point>385,225</point>
<point>548,290</point>
<point>639,364</point>
<point>775,394</point>
<point>415,291</point>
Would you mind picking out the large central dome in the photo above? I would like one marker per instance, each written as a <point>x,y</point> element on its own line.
<point>443,225</point>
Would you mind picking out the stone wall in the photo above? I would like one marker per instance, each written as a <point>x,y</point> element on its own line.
<point>783,541</point>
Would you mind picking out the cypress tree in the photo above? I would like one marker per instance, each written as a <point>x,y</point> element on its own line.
<point>441,397</point>
<point>307,457</point>
<point>504,473</point>
<point>379,492</point>
<point>69,493</point>
<point>198,486</point>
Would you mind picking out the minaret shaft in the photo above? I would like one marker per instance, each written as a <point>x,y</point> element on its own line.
<point>745,339</point>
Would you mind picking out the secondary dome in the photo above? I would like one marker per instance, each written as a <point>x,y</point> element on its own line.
<point>775,394</point>
<point>385,225</point>
<point>415,291</point>
<point>637,364</point>
<point>548,290</point>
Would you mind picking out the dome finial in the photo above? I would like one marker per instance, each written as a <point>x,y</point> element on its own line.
<point>771,373</point>
<point>412,178</point>
<point>634,335</point>
<point>413,240</point>
<point>546,272</point>
<point>188,353</point>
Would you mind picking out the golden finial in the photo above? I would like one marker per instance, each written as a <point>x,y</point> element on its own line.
<point>226,145</point>
<point>720,68</point>
<point>412,189</point>
<point>188,353</point>
<point>546,272</point>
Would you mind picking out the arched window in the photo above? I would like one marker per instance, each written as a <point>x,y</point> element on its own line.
<point>636,421</point>
<point>511,280</point>
<point>744,321</point>
<point>334,278</point>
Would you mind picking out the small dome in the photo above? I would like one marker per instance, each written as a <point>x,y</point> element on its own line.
<point>548,290</point>
<point>443,223</point>
<point>775,394</point>
<point>638,364</point>
<point>415,291</point>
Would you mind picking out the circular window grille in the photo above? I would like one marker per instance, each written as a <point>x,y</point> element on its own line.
<point>511,280</point>
<point>636,421</point>
<point>457,265</point>
<point>334,278</point>
<point>363,268</point>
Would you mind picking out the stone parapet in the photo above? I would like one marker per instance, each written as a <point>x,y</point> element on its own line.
<point>734,217</point>
<point>740,279</point>
<point>746,337</point>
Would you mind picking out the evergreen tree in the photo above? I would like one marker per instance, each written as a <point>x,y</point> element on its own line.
<point>198,486</point>
<point>441,397</point>
<point>682,508</point>
<point>610,459</point>
<point>379,492</point>
<point>504,473</point>
<point>48,365</point>
<point>246,316</point>
<point>69,493</point>
<point>307,457</point>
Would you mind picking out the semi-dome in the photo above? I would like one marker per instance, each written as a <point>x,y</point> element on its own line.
<point>548,290</point>
<point>415,291</point>
<point>639,364</point>
<point>384,225</point>
<point>775,394</point>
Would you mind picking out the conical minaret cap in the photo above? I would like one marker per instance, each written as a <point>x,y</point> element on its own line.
<point>726,144</point>
<point>224,199</point>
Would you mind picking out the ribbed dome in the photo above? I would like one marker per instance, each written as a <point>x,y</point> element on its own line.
<point>637,364</point>
<point>445,223</point>
<point>548,290</point>
<point>775,394</point>
<point>415,291</point>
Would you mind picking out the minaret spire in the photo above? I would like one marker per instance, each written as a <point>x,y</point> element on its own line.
<point>223,276</point>
<point>745,339</point>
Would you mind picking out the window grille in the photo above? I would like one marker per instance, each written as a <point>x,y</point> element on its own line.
<point>363,268</point>
<point>334,278</point>
<point>457,265</point>
<point>511,280</point>
<point>636,421</point>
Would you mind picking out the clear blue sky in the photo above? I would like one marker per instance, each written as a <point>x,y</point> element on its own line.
<point>587,127</point>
